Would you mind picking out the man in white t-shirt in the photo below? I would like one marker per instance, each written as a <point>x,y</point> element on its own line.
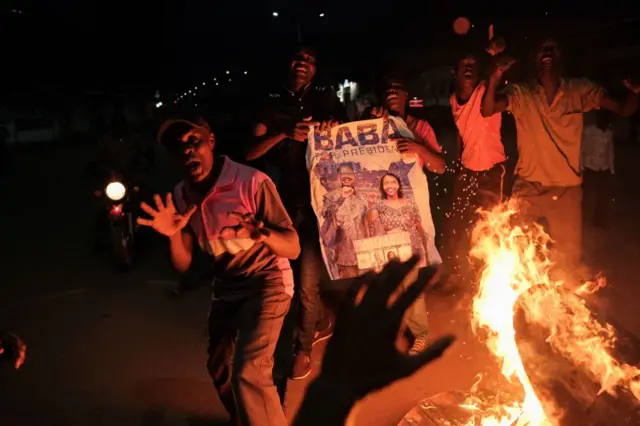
<point>481,176</point>
<point>596,159</point>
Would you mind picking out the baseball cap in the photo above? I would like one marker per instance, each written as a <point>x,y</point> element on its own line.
<point>174,128</point>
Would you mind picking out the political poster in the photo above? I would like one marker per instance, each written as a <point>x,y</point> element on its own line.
<point>371,201</point>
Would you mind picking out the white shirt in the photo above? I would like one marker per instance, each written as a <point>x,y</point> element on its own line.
<point>597,148</point>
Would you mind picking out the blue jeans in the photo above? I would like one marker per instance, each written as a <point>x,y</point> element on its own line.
<point>309,270</point>
<point>242,340</point>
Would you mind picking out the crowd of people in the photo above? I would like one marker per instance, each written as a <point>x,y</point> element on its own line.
<point>264,242</point>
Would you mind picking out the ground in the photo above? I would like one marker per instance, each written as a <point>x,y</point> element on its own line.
<point>112,349</point>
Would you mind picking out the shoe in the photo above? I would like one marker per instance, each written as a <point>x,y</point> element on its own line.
<point>321,335</point>
<point>419,345</point>
<point>301,366</point>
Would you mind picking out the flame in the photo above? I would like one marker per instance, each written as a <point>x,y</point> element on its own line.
<point>515,258</point>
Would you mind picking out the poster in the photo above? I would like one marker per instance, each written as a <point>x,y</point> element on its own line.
<point>371,201</point>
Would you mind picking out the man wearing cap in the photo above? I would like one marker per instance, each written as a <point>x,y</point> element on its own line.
<point>234,214</point>
<point>281,138</point>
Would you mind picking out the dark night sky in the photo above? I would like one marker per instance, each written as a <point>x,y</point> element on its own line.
<point>171,44</point>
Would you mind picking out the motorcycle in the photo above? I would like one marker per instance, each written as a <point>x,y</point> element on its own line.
<point>119,199</point>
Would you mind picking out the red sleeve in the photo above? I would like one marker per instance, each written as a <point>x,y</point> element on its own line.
<point>425,135</point>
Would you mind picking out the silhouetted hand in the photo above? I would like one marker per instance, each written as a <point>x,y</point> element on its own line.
<point>248,227</point>
<point>11,345</point>
<point>361,355</point>
<point>165,220</point>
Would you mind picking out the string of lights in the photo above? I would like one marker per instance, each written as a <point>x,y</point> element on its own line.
<point>213,83</point>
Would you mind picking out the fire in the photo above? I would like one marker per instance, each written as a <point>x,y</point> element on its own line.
<point>515,259</point>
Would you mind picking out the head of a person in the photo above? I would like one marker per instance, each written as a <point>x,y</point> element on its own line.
<point>190,141</point>
<point>378,256</point>
<point>391,187</point>
<point>391,255</point>
<point>547,56</point>
<point>603,119</point>
<point>303,65</point>
<point>347,175</point>
<point>394,94</point>
<point>467,70</point>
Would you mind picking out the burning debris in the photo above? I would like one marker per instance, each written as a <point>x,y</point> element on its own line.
<point>560,363</point>
<point>515,260</point>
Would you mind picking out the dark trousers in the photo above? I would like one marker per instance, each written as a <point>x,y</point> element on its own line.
<point>242,340</point>
<point>559,210</point>
<point>471,191</point>
<point>309,271</point>
<point>598,199</point>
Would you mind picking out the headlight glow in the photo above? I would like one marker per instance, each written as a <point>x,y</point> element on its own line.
<point>115,191</point>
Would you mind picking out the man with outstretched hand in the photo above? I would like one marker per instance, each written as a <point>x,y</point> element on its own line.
<point>548,112</point>
<point>233,213</point>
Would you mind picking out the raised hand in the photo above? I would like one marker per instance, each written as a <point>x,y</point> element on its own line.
<point>501,66</point>
<point>13,346</point>
<point>361,357</point>
<point>248,227</point>
<point>496,45</point>
<point>165,219</point>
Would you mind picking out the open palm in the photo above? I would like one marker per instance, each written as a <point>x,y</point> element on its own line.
<point>165,219</point>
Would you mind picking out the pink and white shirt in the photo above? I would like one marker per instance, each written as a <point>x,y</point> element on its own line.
<point>241,264</point>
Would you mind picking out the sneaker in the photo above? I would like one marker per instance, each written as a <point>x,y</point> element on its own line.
<point>301,366</point>
<point>321,335</point>
<point>419,345</point>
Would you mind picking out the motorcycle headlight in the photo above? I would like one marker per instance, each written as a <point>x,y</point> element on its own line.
<point>115,191</point>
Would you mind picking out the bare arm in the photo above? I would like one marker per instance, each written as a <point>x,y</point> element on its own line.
<point>283,242</point>
<point>282,239</point>
<point>626,109</point>
<point>493,102</point>
<point>181,247</point>
<point>264,142</point>
<point>432,160</point>
<point>426,147</point>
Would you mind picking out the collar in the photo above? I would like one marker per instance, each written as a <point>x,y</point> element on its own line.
<point>228,175</point>
<point>303,92</point>
<point>536,85</point>
<point>539,91</point>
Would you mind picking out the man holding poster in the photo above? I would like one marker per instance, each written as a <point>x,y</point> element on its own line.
<point>376,207</point>
<point>281,138</point>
